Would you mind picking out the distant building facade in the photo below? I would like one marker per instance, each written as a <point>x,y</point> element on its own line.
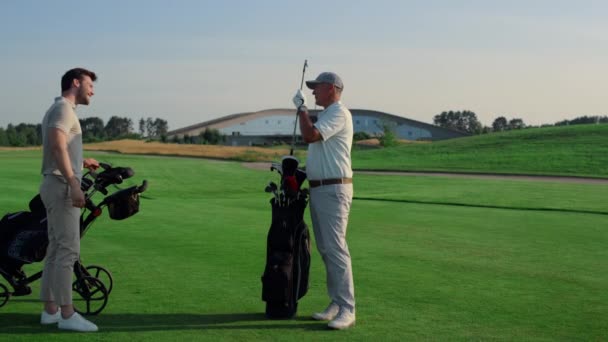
<point>271,126</point>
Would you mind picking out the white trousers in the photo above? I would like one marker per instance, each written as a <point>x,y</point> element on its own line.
<point>329,209</point>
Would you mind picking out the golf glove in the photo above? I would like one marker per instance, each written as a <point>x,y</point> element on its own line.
<point>299,99</point>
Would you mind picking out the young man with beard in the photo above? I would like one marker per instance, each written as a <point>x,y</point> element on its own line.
<point>62,163</point>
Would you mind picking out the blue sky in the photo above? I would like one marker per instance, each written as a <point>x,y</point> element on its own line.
<point>191,61</point>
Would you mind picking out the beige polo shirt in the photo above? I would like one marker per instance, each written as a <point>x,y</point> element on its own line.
<point>62,115</point>
<point>330,157</point>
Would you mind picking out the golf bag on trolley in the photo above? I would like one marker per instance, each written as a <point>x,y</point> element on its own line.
<point>285,278</point>
<point>24,238</point>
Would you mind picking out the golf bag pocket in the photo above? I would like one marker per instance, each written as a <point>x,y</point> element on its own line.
<point>23,236</point>
<point>28,246</point>
<point>302,260</point>
<point>277,278</point>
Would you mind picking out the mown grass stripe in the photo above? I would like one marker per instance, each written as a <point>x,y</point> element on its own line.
<point>577,211</point>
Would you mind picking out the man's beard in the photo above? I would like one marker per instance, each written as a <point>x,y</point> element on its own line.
<point>82,99</point>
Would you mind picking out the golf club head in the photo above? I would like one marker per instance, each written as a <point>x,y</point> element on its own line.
<point>277,167</point>
<point>271,187</point>
<point>290,165</point>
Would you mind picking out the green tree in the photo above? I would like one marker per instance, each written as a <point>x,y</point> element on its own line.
<point>160,127</point>
<point>464,121</point>
<point>92,129</point>
<point>516,124</point>
<point>388,137</point>
<point>361,136</point>
<point>3,137</point>
<point>28,134</point>
<point>211,136</point>
<point>150,127</point>
<point>142,127</point>
<point>15,139</point>
<point>500,124</point>
<point>118,127</point>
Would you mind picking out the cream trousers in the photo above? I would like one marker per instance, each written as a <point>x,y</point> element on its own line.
<point>64,241</point>
<point>329,209</point>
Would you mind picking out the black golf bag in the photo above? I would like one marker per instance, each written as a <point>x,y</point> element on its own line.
<point>23,234</point>
<point>23,240</point>
<point>285,278</point>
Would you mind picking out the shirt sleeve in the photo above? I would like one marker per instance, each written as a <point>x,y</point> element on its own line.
<point>330,123</point>
<point>62,118</point>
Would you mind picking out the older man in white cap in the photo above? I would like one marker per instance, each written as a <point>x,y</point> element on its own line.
<point>329,171</point>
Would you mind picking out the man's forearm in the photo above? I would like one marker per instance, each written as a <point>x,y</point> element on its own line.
<point>60,154</point>
<point>309,133</point>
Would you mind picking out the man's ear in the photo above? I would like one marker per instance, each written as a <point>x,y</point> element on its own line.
<point>76,83</point>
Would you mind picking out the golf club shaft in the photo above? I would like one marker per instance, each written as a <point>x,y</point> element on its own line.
<point>293,142</point>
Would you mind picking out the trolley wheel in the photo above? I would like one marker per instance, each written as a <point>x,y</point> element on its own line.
<point>93,293</point>
<point>4,295</point>
<point>103,275</point>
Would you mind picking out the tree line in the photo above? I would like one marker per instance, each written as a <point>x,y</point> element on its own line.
<point>466,121</point>
<point>93,128</point>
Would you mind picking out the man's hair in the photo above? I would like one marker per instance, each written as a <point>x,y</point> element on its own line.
<point>76,73</point>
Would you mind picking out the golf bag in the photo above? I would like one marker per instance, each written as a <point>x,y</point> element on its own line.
<point>23,235</point>
<point>23,240</point>
<point>285,278</point>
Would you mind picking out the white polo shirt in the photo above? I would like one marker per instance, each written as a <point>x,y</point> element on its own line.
<point>330,157</point>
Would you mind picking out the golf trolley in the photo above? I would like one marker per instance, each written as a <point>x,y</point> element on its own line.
<point>285,278</point>
<point>24,239</point>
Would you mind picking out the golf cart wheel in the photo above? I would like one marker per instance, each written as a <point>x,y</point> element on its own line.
<point>103,275</point>
<point>92,292</point>
<point>4,295</point>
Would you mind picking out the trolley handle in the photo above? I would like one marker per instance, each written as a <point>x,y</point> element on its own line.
<point>142,187</point>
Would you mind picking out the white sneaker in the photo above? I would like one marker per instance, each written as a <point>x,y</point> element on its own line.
<point>329,313</point>
<point>76,323</point>
<point>344,320</point>
<point>47,318</point>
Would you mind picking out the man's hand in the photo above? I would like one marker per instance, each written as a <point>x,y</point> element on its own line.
<point>299,99</point>
<point>91,164</point>
<point>76,193</point>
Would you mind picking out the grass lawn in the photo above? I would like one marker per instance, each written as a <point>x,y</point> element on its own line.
<point>444,259</point>
<point>580,150</point>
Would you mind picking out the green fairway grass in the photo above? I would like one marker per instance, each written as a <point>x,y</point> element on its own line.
<point>580,150</point>
<point>433,258</point>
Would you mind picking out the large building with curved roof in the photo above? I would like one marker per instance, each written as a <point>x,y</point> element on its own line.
<point>277,125</point>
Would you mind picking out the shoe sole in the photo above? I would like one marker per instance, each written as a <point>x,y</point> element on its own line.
<point>78,330</point>
<point>342,328</point>
<point>321,318</point>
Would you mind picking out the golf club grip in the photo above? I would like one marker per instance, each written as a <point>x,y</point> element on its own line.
<point>303,72</point>
<point>295,125</point>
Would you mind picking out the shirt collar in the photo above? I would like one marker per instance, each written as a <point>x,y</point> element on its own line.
<point>61,98</point>
<point>337,103</point>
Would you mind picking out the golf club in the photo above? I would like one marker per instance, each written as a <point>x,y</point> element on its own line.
<point>271,187</point>
<point>277,167</point>
<point>293,142</point>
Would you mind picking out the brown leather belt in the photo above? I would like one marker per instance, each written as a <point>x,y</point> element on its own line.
<point>316,183</point>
